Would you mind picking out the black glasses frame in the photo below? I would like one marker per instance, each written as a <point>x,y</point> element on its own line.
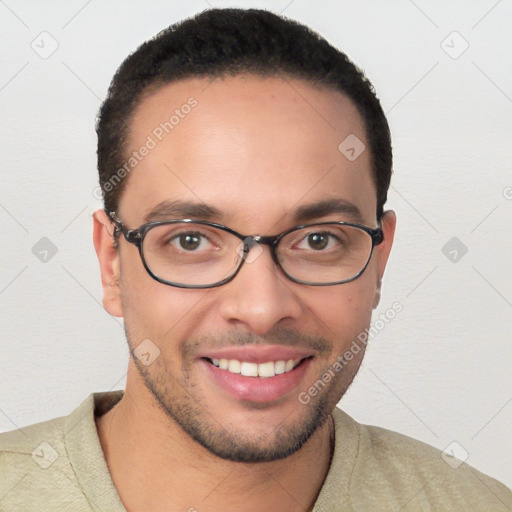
<point>136,237</point>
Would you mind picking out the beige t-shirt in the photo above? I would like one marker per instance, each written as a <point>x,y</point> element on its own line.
<point>59,466</point>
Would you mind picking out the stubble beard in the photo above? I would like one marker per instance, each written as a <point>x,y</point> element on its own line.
<point>227,441</point>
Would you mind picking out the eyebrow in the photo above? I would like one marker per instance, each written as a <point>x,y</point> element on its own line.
<point>326,207</point>
<point>183,210</point>
<point>202,211</point>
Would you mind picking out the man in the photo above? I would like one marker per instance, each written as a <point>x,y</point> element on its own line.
<point>245,165</point>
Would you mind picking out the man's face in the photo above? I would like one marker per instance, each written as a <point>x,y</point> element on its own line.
<point>257,150</point>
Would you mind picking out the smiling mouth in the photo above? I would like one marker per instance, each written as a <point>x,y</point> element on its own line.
<point>262,370</point>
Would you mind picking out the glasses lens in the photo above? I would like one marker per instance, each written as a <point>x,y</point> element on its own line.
<point>191,254</point>
<point>327,253</point>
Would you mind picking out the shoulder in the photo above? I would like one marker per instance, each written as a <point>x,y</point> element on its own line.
<point>403,471</point>
<point>21,439</point>
<point>37,444</point>
<point>36,470</point>
<point>33,464</point>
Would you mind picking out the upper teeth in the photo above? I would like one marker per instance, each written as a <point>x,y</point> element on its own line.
<point>269,369</point>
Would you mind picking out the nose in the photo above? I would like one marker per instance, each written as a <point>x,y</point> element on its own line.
<point>260,296</point>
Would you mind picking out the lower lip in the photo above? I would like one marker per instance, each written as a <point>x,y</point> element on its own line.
<point>257,389</point>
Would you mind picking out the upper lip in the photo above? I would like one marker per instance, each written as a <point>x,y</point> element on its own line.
<point>257,353</point>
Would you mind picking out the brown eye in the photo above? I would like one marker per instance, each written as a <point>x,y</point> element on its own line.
<point>318,241</point>
<point>189,242</point>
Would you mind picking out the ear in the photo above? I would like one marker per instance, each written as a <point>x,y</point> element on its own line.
<point>388,224</point>
<point>108,258</point>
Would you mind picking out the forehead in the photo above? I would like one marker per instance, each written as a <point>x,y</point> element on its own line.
<point>253,147</point>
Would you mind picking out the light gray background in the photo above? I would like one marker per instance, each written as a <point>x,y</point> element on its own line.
<point>440,371</point>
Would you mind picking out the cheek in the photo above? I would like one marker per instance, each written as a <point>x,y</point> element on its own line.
<point>344,311</point>
<point>154,310</point>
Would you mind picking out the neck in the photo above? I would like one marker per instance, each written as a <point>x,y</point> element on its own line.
<point>156,466</point>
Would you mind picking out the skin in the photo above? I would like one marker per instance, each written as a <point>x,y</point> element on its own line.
<point>256,148</point>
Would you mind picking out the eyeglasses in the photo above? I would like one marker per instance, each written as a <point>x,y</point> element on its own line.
<point>190,253</point>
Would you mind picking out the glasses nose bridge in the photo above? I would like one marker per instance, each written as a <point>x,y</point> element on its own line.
<point>249,241</point>
<point>265,240</point>
<point>270,241</point>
